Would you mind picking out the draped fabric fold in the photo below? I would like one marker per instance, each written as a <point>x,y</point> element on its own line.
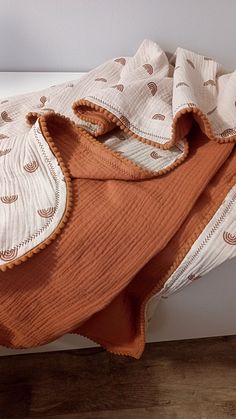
<point>116,189</point>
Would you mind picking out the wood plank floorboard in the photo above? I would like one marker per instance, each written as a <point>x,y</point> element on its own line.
<point>190,379</point>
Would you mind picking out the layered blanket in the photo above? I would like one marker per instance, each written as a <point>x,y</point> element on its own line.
<point>116,190</point>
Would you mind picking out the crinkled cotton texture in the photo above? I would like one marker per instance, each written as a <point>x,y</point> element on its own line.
<point>143,150</point>
<point>33,193</point>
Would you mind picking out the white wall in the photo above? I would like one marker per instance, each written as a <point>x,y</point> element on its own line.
<point>73,35</point>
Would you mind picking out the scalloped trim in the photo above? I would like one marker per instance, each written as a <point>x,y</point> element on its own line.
<point>69,198</point>
<point>177,262</point>
<point>129,163</point>
<point>197,113</point>
<point>117,122</point>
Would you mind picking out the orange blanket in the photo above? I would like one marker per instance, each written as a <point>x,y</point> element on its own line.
<point>129,229</point>
<point>124,234</point>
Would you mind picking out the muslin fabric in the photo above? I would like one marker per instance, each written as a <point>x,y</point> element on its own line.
<point>139,202</point>
<point>33,193</point>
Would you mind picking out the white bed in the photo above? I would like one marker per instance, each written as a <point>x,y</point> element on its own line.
<point>205,308</point>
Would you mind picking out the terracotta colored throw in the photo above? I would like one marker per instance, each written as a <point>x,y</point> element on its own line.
<point>116,189</point>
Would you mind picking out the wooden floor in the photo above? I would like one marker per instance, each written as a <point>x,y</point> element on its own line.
<point>194,379</point>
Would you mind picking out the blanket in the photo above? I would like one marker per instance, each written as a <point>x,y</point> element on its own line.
<point>116,190</point>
